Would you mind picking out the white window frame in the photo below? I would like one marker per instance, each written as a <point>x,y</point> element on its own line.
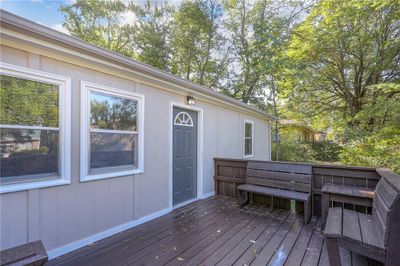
<point>250,122</point>
<point>64,128</point>
<point>86,88</point>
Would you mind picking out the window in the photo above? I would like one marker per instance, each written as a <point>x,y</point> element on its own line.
<point>183,119</point>
<point>248,138</point>
<point>112,132</point>
<point>34,129</point>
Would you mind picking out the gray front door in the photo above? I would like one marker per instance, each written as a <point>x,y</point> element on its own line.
<point>184,155</point>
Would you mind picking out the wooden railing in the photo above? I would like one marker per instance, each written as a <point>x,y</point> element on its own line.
<point>229,173</point>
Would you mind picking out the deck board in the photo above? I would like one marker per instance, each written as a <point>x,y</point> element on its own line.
<point>214,231</point>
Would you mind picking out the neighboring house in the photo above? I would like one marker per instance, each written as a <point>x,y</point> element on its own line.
<point>124,142</point>
<point>295,131</point>
<point>320,136</point>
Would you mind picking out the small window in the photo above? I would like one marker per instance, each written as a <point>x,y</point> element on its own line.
<point>111,132</point>
<point>34,129</point>
<point>248,138</point>
<point>183,119</point>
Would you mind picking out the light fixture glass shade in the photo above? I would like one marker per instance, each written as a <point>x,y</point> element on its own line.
<point>190,100</point>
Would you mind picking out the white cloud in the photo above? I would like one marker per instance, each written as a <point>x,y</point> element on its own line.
<point>60,28</point>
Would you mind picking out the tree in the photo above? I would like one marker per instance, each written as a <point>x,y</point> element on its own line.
<point>197,44</point>
<point>102,23</point>
<point>259,33</point>
<point>341,49</point>
<point>375,141</point>
<point>152,33</point>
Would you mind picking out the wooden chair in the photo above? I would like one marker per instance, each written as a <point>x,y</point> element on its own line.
<point>281,180</point>
<point>32,253</point>
<point>376,236</point>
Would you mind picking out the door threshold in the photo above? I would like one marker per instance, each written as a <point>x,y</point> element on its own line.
<point>184,203</point>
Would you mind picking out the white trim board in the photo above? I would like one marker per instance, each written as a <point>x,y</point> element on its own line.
<point>182,204</point>
<point>207,195</point>
<point>117,229</point>
<point>199,149</point>
<point>101,235</point>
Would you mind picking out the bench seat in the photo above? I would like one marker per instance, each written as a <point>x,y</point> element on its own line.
<point>347,190</point>
<point>275,192</point>
<point>279,180</point>
<point>353,230</point>
<point>376,236</point>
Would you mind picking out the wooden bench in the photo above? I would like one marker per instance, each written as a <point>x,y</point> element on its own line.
<point>345,194</point>
<point>32,253</point>
<point>281,180</point>
<point>376,236</point>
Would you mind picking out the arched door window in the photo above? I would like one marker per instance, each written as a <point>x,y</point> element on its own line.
<point>183,119</point>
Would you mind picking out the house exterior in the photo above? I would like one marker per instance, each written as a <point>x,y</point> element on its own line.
<point>94,143</point>
<point>295,131</point>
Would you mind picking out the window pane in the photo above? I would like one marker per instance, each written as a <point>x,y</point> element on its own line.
<point>110,150</point>
<point>28,152</point>
<point>110,112</point>
<point>248,129</point>
<point>248,149</point>
<point>27,102</point>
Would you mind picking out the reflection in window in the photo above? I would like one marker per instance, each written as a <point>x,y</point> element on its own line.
<point>29,129</point>
<point>110,112</point>
<point>111,150</point>
<point>28,152</point>
<point>113,137</point>
<point>27,102</point>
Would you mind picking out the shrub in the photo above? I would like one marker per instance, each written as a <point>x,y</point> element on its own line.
<point>378,150</point>
<point>326,151</point>
<point>293,152</point>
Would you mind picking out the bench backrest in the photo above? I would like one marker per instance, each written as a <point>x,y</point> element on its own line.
<point>386,209</point>
<point>294,177</point>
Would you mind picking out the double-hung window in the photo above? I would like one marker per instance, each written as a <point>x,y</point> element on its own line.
<point>112,132</point>
<point>34,129</point>
<point>248,138</point>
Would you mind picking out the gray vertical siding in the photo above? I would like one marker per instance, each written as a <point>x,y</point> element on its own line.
<point>66,214</point>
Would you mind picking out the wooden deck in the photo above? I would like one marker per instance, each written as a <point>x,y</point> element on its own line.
<point>214,231</point>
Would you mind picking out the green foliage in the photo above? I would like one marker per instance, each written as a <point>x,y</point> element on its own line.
<point>258,34</point>
<point>290,151</point>
<point>196,43</point>
<point>375,139</point>
<point>100,22</point>
<point>326,151</point>
<point>381,149</point>
<point>340,50</point>
<point>151,33</point>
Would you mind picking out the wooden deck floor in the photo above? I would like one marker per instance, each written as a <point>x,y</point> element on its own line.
<point>214,231</point>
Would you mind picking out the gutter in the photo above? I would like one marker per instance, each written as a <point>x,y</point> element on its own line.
<point>22,25</point>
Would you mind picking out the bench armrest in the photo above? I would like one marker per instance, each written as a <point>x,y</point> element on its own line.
<point>30,253</point>
<point>334,224</point>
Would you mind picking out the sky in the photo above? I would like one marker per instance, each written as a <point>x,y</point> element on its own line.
<point>46,12</point>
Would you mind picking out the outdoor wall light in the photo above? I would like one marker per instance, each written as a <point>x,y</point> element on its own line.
<point>190,100</point>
